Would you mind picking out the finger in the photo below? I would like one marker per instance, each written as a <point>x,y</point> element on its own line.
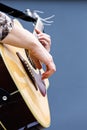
<point>50,70</point>
<point>44,35</point>
<point>36,62</point>
<point>46,74</point>
<point>45,38</point>
<point>45,45</point>
<point>37,31</point>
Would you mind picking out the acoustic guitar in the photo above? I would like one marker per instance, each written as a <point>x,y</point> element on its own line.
<point>23,94</point>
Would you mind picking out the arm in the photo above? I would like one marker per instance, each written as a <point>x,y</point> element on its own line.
<point>21,37</point>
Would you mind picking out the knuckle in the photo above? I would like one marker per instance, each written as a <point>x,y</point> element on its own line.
<point>53,70</point>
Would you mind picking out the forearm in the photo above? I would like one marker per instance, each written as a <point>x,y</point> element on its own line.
<point>15,35</point>
<point>22,38</point>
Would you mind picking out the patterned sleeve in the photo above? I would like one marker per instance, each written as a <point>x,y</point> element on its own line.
<point>6,25</point>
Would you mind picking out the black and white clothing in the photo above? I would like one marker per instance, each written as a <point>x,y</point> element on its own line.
<point>6,25</point>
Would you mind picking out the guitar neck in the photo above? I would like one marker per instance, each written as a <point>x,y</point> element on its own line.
<point>39,25</point>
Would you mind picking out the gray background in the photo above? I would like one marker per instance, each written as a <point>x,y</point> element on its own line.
<point>68,86</point>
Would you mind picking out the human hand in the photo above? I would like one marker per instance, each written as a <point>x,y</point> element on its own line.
<point>50,69</point>
<point>44,39</point>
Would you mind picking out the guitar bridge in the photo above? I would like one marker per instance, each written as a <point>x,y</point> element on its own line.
<point>30,60</point>
<point>27,69</point>
<point>35,78</point>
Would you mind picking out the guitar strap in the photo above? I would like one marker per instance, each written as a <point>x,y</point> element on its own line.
<point>16,13</point>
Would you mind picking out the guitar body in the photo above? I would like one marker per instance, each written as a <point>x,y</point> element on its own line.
<point>14,113</point>
<point>21,103</point>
